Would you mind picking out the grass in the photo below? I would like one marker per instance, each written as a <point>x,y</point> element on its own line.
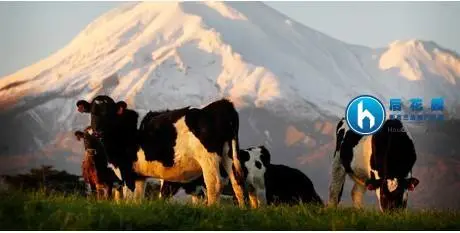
<point>36,211</point>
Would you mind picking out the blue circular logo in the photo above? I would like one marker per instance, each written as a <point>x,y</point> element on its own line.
<point>365,114</point>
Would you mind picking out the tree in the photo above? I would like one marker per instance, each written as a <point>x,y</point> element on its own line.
<point>48,179</point>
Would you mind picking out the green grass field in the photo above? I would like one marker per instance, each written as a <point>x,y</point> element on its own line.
<point>35,211</point>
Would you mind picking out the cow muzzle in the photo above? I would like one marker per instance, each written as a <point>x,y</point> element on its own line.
<point>407,183</point>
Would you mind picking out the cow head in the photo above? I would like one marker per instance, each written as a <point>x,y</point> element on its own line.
<point>393,192</point>
<point>92,145</point>
<point>103,112</point>
<point>83,106</point>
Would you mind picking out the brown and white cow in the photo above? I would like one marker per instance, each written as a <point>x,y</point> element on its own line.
<point>96,171</point>
<point>382,162</point>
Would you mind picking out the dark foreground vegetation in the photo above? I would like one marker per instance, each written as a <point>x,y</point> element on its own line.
<point>47,199</point>
<point>39,211</point>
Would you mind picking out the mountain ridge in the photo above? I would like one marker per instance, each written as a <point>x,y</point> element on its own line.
<point>244,53</point>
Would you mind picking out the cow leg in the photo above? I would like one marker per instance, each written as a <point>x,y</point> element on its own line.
<point>196,199</point>
<point>87,189</point>
<point>252,196</point>
<point>210,165</point>
<point>357,193</point>
<point>103,192</point>
<point>198,194</point>
<point>259,185</point>
<point>162,188</point>
<point>261,196</point>
<point>237,187</point>
<point>377,193</point>
<point>91,189</point>
<point>127,176</point>
<point>139,191</point>
<point>108,194</point>
<point>100,189</point>
<point>118,194</point>
<point>168,189</point>
<point>337,182</point>
<point>257,194</point>
<point>128,194</point>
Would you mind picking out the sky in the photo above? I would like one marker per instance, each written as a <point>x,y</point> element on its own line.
<point>31,31</point>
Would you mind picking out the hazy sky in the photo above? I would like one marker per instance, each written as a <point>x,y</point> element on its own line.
<point>31,31</point>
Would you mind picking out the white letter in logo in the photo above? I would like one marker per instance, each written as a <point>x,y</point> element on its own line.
<point>364,114</point>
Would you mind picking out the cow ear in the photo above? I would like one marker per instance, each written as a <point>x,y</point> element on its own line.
<point>121,106</point>
<point>412,183</point>
<point>79,102</point>
<point>372,184</point>
<point>79,135</point>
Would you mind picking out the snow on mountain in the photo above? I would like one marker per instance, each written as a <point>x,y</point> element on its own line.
<point>414,68</point>
<point>171,54</point>
<point>410,56</point>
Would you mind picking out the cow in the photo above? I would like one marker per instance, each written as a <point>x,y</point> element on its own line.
<point>195,188</point>
<point>175,145</point>
<point>381,162</point>
<point>254,161</point>
<point>96,170</point>
<point>287,185</point>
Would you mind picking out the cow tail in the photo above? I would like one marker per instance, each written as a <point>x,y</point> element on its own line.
<point>238,169</point>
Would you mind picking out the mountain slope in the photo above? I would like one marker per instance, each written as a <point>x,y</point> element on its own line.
<point>290,82</point>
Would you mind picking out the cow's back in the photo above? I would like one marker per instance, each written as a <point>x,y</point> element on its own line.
<point>158,135</point>
<point>214,124</point>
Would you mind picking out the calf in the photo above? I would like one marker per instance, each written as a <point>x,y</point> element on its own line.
<point>175,145</point>
<point>286,185</point>
<point>95,168</point>
<point>382,162</point>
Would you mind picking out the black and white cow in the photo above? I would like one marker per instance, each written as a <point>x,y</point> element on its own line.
<point>254,161</point>
<point>175,145</point>
<point>382,162</point>
<point>287,185</point>
<point>195,188</point>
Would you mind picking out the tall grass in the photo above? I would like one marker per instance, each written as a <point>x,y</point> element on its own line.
<point>37,211</point>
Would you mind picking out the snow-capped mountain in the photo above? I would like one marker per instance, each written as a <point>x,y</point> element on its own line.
<point>289,81</point>
<point>246,50</point>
